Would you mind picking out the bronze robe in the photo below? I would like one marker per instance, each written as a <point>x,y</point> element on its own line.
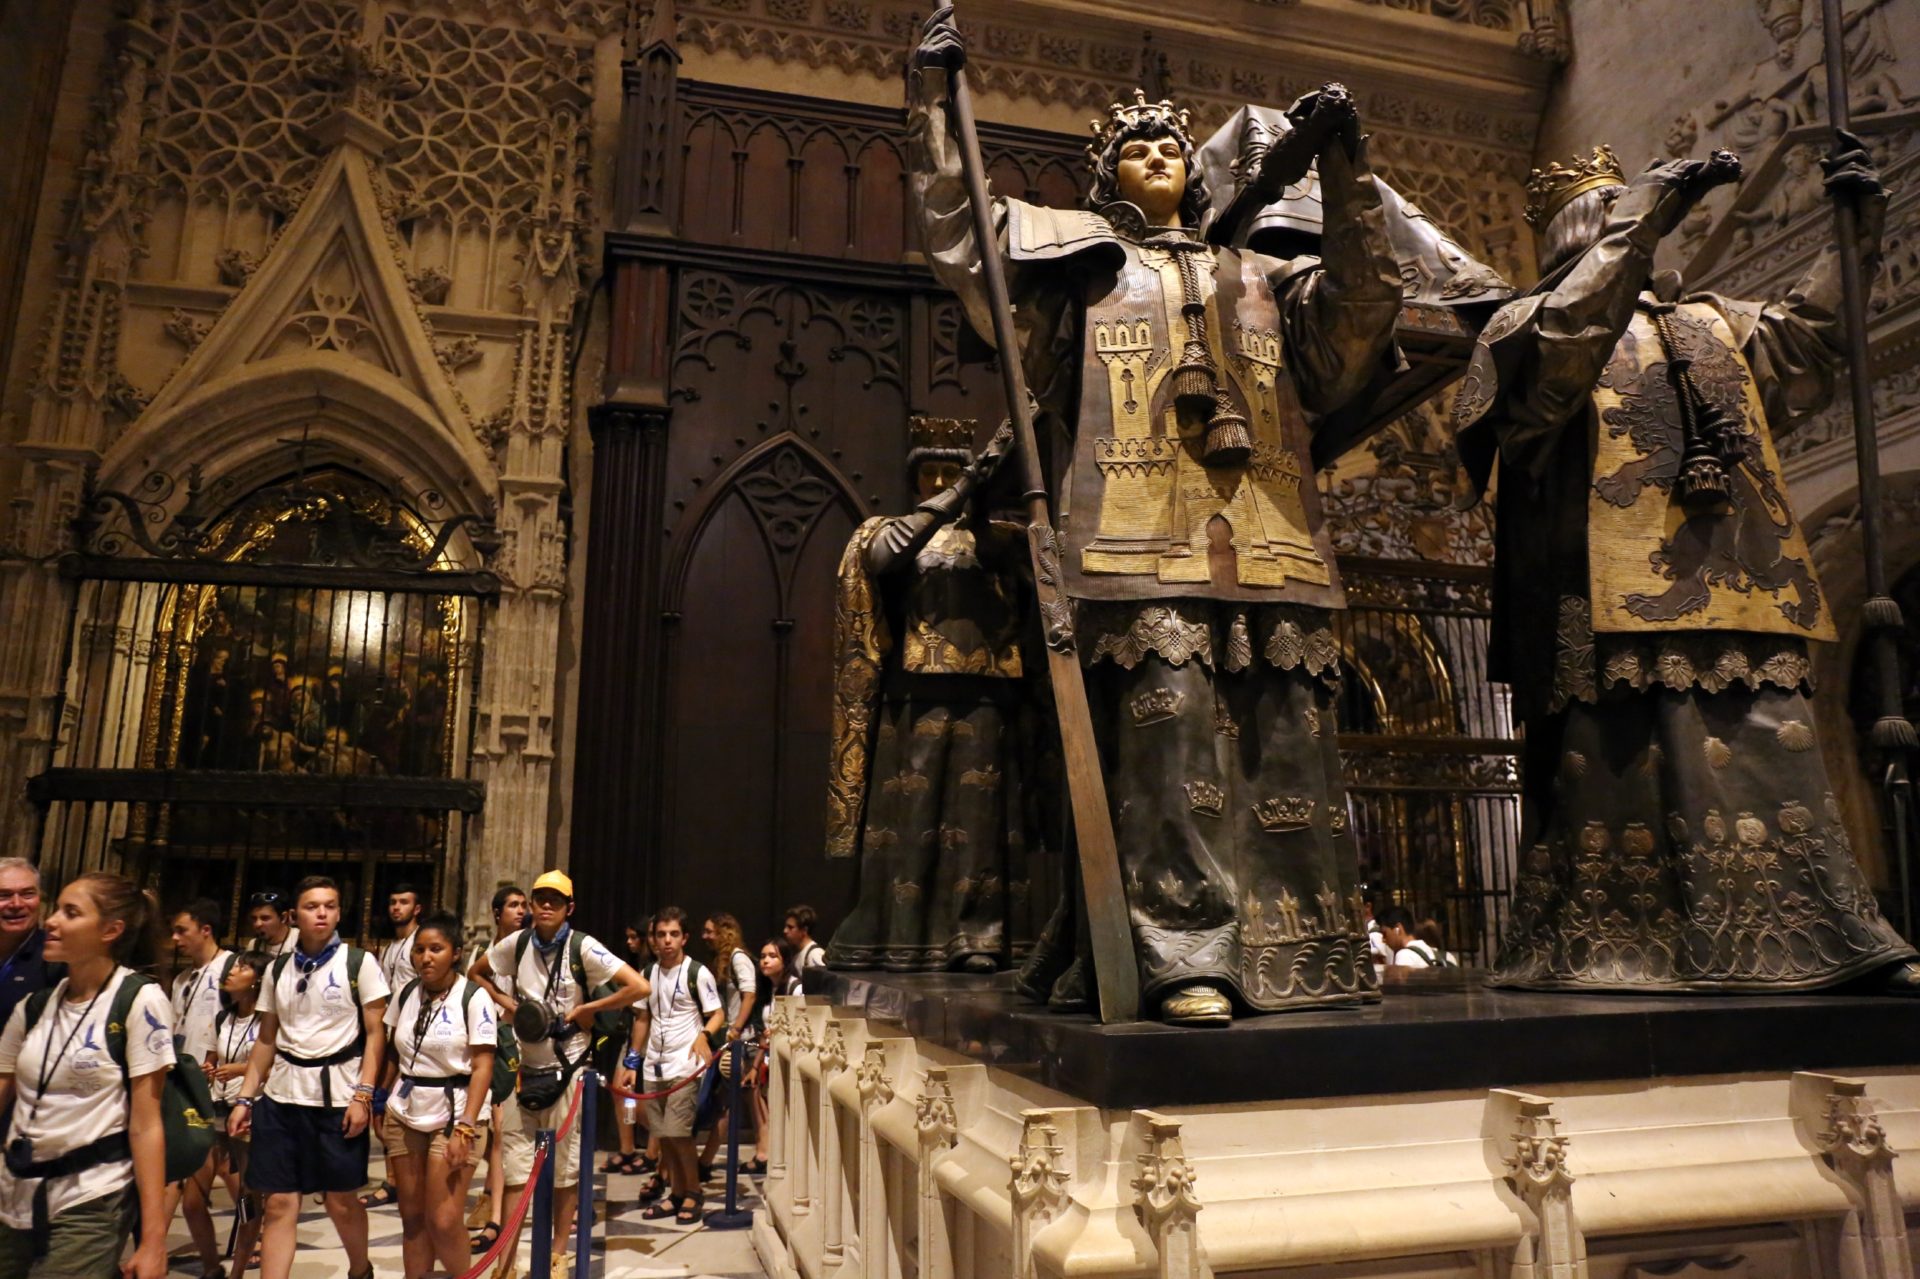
<point>931,734</point>
<point>1680,827</point>
<point>1202,593</point>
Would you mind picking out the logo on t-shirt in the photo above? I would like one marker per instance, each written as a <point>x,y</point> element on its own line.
<point>158,1036</point>
<point>334,991</point>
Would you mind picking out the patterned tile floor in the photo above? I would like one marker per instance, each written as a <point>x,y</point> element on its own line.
<point>624,1246</point>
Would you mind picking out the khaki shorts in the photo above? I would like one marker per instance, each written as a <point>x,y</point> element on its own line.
<point>670,1116</point>
<point>402,1141</point>
<point>517,1127</point>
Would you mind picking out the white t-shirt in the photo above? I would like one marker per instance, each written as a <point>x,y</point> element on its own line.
<point>445,1049</point>
<point>234,1037</point>
<point>396,962</point>
<point>812,955</point>
<point>733,991</point>
<point>317,1022</point>
<point>86,1094</point>
<point>286,945</point>
<point>530,982</point>
<point>1415,954</point>
<point>196,1002</point>
<point>676,1020</point>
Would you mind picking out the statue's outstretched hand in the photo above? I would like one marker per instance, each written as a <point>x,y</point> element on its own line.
<point>994,454</point>
<point>1327,113</point>
<point>941,44</point>
<point>1850,169</point>
<point>1668,189</point>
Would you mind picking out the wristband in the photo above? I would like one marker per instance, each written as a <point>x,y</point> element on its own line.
<point>466,1129</point>
<point>632,1060</point>
<point>244,1101</point>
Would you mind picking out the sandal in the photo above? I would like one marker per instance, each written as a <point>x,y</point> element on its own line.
<point>378,1198</point>
<point>646,1165</point>
<point>689,1213</point>
<point>627,1165</point>
<point>485,1237</point>
<point>757,1167</point>
<point>659,1211</point>
<point>652,1190</point>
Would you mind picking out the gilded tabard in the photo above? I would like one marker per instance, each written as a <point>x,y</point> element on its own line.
<point>1653,566</point>
<point>1145,519</point>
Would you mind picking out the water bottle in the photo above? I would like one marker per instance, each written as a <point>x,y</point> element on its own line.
<point>628,1109</point>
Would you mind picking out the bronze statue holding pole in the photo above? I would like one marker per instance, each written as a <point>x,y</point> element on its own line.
<point>1177,385</point>
<point>1654,600</point>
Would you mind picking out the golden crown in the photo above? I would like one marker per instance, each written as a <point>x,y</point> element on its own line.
<point>1156,705</point>
<point>1124,116</point>
<point>1284,813</point>
<point>1206,799</point>
<point>940,432</point>
<point>1549,190</point>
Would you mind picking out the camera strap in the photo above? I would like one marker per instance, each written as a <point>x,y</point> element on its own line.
<point>50,1064</point>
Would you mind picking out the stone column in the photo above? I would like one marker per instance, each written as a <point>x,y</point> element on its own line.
<point>776,1098</point>
<point>1535,1155</point>
<point>612,838</point>
<point>1837,1118</point>
<point>1166,1202</point>
<point>1039,1188</point>
<point>832,1055</point>
<point>938,1125</point>
<point>873,1232</point>
<point>799,1159</point>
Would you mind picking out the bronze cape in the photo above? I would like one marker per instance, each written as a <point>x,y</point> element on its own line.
<point>1203,593</point>
<point>1682,831</point>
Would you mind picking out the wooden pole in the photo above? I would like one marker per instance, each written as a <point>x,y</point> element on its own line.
<point>1115,968</point>
<point>1892,734</point>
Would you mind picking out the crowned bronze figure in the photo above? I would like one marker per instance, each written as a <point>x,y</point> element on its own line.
<point>1178,385</point>
<point>1654,604</point>
<point>931,722</point>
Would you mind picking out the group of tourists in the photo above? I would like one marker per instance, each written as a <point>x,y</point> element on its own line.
<point>304,1047</point>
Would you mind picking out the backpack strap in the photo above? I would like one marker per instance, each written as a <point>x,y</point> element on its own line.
<point>693,986</point>
<point>117,1014</point>
<point>355,956</point>
<point>37,1004</point>
<point>575,943</point>
<point>400,1001</point>
<point>226,969</point>
<point>520,953</point>
<point>279,966</point>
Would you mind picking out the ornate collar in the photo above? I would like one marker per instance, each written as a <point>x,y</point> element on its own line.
<point>1129,223</point>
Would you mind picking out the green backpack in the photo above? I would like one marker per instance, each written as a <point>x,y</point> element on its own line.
<point>186,1107</point>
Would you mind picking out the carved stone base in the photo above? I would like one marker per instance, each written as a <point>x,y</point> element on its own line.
<point>924,1163</point>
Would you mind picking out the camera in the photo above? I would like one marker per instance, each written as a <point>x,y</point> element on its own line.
<point>19,1156</point>
<point>536,1023</point>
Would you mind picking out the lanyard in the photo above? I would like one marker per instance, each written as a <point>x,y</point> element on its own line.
<point>49,1066</point>
<point>251,1024</point>
<point>423,1020</point>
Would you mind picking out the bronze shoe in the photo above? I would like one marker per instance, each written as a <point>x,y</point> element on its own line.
<point>1196,1006</point>
<point>1902,979</point>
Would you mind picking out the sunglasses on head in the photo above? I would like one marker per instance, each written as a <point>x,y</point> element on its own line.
<point>263,899</point>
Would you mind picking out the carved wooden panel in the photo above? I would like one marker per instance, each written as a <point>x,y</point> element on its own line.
<point>795,175</point>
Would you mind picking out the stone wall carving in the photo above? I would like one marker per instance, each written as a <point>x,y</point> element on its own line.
<point>476,192</point>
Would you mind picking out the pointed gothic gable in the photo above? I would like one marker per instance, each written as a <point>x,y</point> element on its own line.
<point>329,288</point>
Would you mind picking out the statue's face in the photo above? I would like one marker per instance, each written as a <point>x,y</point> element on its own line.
<point>1152,175</point>
<point>932,477</point>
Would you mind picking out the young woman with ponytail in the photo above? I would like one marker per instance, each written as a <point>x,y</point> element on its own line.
<point>85,1153</point>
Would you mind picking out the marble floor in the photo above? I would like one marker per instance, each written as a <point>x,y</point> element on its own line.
<point>624,1246</point>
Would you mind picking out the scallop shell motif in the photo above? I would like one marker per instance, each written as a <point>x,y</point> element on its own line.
<point>1795,735</point>
<point>1719,754</point>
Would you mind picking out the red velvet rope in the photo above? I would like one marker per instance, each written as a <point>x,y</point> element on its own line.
<point>510,1236</point>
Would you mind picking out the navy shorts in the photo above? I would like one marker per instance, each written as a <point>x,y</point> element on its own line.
<point>301,1150</point>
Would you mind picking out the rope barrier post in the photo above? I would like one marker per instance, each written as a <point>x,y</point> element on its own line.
<point>731,1217</point>
<point>583,1211</point>
<point>541,1266</point>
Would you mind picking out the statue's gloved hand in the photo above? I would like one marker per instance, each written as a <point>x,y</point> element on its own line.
<point>941,44</point>
<point>1850,169</point>
<point>994,454</point>
<point>1666,192</point>
<point>1327,113</point>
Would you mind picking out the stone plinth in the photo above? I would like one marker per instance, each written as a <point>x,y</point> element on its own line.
<point>932,1128</point>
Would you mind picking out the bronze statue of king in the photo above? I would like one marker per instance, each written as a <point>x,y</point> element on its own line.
<point>1178,385</point>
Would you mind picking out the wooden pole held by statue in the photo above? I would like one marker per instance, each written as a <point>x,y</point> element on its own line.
<point>1893,735</point>
<point>1115,969</point>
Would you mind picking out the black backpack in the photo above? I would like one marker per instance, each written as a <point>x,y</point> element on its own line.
<point>186,1106</point>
